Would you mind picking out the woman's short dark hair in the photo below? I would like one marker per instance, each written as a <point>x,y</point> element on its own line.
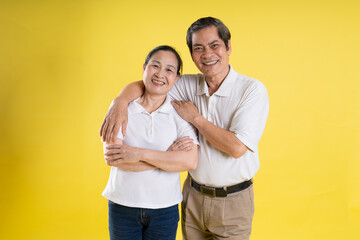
<point>166,48</point>
<point>205,22</point>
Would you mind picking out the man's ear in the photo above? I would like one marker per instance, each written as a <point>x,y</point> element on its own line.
<point>192,56</point>
<point>229,48</point>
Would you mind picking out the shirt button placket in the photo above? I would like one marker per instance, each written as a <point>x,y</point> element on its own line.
<point>211,109</point>
<point>151,126</point>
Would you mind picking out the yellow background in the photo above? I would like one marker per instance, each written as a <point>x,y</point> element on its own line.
<point>62,62</point>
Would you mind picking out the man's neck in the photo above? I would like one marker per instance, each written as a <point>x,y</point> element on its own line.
<point>214,82</point>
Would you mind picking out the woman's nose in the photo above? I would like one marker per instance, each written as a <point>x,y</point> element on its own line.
<point>159,73</point>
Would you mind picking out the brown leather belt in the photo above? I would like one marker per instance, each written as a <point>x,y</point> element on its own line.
<point>219,191</point>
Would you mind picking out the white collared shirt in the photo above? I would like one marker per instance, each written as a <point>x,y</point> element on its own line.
<point>240,105</point>
<point>157,131</point>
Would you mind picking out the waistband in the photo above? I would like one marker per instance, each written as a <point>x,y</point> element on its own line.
<point>218,191</point>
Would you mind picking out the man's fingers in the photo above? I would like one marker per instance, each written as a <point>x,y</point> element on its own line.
<point>109,131</point>
<point>102,127</point>
<point>104,130</point>
<point>175,103</point>
<point>124,125</point>
<point>115,131</point>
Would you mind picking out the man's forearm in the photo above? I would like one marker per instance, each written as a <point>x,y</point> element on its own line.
<point>220,138</point>
<point>130,92</point>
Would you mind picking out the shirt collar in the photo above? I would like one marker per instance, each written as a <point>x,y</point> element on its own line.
<point>225,87</point>
<point>166,107</point>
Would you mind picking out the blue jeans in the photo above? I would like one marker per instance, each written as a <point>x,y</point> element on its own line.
<point>127,223</point>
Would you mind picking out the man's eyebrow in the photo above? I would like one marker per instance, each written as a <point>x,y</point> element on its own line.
<point>215,41</point>
<point>196,44</point>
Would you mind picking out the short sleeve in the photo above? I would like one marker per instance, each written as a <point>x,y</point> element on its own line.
<point>250,117</point>
<point>120,135</point>
<point>185,129</point>
<point>184,89</point>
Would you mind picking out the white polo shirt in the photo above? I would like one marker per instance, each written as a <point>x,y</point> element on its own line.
<point>240,105</point>
<point>157,131</point>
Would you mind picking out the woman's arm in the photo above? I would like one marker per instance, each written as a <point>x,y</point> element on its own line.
<point>134,167</point>
<point>171,161</point>
<point>116,116</point>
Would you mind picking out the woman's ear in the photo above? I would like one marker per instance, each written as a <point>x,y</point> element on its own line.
<point>177,77</point>
<point>144,66</point>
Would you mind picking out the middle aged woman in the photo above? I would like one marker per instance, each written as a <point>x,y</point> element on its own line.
<point>144,184</point>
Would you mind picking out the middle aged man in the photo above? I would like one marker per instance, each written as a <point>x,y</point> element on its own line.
<point>230,111</point>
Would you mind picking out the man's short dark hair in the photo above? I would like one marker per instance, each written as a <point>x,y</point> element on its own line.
<point>205,22</point>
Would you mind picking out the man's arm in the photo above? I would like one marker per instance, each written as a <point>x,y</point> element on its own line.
<point>220,138</point>
<point>116,116</point>
<point>171,161</point>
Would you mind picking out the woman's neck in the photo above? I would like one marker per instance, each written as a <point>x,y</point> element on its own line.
<point>151,102</point>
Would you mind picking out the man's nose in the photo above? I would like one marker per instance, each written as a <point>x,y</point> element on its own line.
<point>207,53</point>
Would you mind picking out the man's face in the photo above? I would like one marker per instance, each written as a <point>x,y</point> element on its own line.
<point>210,54</point>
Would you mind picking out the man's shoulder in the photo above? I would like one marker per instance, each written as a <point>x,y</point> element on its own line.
<point>249,82</point>
<point>190,78</point>
<point>187,83</point>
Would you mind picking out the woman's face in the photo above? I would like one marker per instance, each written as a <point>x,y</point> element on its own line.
<point>160,74</point>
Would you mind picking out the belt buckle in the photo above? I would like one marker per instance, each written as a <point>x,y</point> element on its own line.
<point>210,191</point>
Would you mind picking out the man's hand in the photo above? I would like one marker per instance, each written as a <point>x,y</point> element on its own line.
<point>182,144</point>
<point>115,118</point>
<point>186,110</point>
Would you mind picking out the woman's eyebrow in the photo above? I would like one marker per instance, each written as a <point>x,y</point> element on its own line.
<point>169,65</point>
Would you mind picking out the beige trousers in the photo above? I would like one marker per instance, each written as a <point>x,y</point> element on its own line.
<point>205,217</point>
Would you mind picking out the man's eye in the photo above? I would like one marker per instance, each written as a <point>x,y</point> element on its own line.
<point>197,49</point>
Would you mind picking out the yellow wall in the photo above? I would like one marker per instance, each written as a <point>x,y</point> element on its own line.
<point>62,62</point>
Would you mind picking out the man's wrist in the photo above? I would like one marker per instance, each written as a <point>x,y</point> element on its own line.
<point>197,120</point>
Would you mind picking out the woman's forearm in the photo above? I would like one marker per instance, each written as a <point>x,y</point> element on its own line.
<point>134,167</point>
<point>172,161</point>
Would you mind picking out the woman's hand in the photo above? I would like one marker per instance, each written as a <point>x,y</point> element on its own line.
<point>182,144</point>
<point>122,153</point>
